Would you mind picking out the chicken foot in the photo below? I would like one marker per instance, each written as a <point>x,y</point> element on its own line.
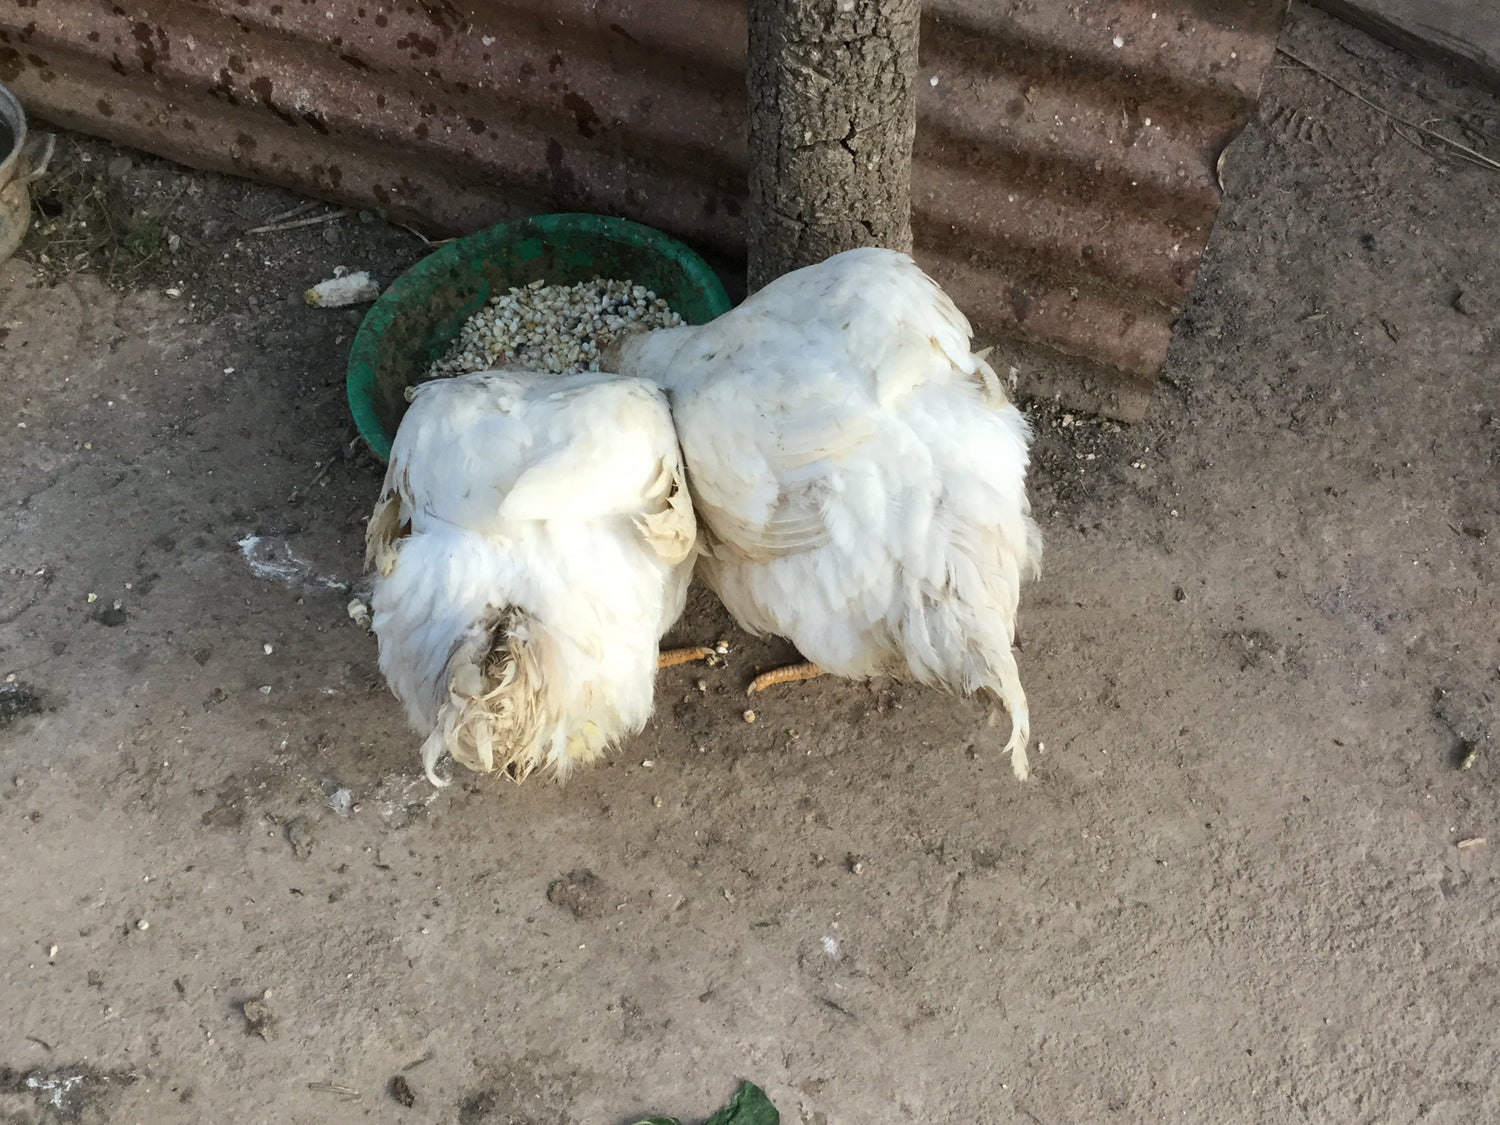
<point>791,673</point>
<point>675,656</point>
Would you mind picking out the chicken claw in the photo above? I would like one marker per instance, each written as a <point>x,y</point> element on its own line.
<point>792,672</point>
<point>675,656</point>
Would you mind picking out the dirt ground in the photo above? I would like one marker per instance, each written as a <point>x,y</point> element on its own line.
<point>1246,883</point>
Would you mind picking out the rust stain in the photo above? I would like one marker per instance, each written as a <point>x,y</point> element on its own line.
<point>583,114</point>
<point>1063,186</point>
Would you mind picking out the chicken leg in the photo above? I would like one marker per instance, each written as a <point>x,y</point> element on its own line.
<point>792,672</point>
<point>675,656</point>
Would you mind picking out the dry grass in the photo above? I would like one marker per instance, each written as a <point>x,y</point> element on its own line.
<point>84,221</point>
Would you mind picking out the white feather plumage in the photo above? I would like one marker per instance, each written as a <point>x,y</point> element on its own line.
<point>859,475</point>
<point>532,542</point>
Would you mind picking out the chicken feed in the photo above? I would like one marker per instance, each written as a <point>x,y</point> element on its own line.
<point>556,328</point>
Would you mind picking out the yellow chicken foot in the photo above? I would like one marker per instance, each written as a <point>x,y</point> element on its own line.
<point>675,656</point>
<point>792,672</point>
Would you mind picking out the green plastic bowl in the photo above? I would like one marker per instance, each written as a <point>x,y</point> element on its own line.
<point>416,319</point>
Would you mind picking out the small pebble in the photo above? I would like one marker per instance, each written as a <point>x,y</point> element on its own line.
<point>265,689</point>
<point>338,292</point>
<point>299,834</point>
<point>401,1090</point>
<point>749,716</point>
<point>268,649</point>
<point>259,1019</point>
<point>359,613</point>
<point>142,924</point>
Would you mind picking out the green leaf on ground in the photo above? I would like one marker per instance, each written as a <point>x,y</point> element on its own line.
<point>749,1106</point>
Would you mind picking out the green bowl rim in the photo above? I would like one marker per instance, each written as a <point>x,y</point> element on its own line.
<point>359,380</point>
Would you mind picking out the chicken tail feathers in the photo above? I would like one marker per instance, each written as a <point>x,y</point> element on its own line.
<point>497,714</point>
<point>490,719</point>
<point>1013,699</point>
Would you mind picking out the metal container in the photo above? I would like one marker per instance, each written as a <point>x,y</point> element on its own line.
<point>21,161</point>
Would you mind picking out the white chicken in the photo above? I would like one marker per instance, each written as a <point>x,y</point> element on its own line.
<point>859,476</point>
<point>532,542</point>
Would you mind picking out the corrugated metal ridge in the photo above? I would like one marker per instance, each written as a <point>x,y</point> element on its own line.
<point>1105,157</point>
<point>521,136</point>
<point>407,99</point>
<point>1075,43</point>
<point>1063,186</point>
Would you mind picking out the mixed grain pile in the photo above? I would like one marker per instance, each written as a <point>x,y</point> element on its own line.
<point>556,328</point>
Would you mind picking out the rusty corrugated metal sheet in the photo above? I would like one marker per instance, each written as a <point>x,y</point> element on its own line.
<point>1064,182</point>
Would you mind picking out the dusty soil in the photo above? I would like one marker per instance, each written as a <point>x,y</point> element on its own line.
<point>1241,887</point>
